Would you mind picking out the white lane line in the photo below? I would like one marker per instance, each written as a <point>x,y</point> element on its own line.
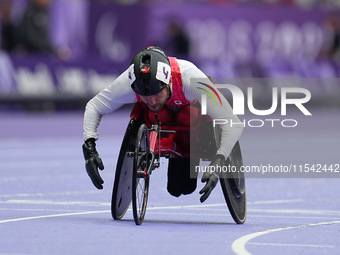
<point>180,213</point>
<point>51,216</point>
<point>238,246</point>
<point>187,207</point>
<point>280,211</point>
<point>64,193</point>
<point>276,201</point>
<point>293,245</point>
<point>296,211</point>
<point>67,193</point>
<point>49,202</point>
<point>39,210</point>
<point>85,203</point>
<point>293,217</point>
<point>91,212</point>
<point>200,207</point>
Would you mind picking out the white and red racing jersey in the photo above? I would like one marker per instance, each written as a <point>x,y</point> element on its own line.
<point>119,93</point>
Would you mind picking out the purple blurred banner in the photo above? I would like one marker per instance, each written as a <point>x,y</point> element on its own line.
<point>225,41</point>
<point>225,36</point>
<point>34,77</point>
<point>243,34</point>
<point>218,33</point>
<point>69,26</point>
<point>118,32</point>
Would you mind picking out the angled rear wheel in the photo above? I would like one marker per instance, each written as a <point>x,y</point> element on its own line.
<point>122,187</point>
<point>233,186</point>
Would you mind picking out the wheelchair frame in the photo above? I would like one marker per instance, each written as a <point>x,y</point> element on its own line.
<point>138,158</point>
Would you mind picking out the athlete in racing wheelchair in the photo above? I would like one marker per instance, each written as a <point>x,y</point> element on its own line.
<point>163,92</point>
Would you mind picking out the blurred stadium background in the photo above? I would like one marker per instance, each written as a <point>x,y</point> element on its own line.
<point>93,41</point>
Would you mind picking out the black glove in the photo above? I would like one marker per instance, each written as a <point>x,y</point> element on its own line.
<point>93,162</point>
<point>211,178</point>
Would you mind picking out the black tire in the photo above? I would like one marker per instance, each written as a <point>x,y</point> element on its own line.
<point>233,186</point>
<point>122,194</point>
<point>140,180</point>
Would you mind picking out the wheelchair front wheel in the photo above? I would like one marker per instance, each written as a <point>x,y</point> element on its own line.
<point>141,179</point>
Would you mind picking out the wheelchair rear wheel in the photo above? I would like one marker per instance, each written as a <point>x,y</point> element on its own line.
<point>140,179</point>
<point>122,195</point>
<point>233,186</point>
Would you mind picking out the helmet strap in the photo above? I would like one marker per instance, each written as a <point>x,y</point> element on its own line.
<point>169,89</point>
<point>169,93</point>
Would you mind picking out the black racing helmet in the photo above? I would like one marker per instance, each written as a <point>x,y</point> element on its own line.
<point>152,71</point>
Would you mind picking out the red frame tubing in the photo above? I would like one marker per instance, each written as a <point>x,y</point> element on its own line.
<point>153,140</point>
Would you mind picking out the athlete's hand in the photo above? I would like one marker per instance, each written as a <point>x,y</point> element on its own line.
<point>93,162</point>
<point>211,178</point>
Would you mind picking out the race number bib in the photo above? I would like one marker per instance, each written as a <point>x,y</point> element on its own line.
<point>163,72</point>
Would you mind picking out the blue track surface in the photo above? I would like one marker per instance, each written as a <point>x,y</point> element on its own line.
<point>49,206</point>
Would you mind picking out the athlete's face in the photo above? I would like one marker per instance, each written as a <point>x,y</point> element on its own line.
<point>156,102</point>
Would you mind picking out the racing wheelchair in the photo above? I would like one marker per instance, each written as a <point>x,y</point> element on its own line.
<point>140,153</point>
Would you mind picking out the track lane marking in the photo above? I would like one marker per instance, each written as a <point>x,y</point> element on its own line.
<point>179,213</point>
<point>49,202</point>
<point>293,245</point>
<point>63,193</point>
<point>51,216</point>
<point>202,207</point>
<point>238,246</point>
<point>92,212</point>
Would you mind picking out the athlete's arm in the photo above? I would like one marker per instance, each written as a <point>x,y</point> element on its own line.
<point>230,135</point>
<point>108,100</point>
<point>117,94</point>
